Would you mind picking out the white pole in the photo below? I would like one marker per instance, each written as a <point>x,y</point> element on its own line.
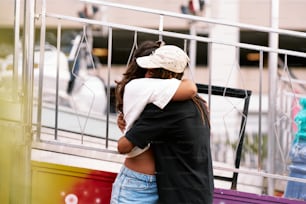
<point>273,43</point>
<point>192,48</point>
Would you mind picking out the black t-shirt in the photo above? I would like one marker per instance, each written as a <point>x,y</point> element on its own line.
<point>181,145</point>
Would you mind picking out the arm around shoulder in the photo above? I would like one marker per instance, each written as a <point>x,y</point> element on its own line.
<point>186,90</point>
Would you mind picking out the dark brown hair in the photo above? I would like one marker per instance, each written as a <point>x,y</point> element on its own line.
<point>161,73</point>
<point>133,70</point>
<point>203,108</point>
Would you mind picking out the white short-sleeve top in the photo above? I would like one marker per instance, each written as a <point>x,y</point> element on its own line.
<point>140,92</point>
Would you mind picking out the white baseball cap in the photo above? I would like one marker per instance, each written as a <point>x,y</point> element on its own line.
<point>169,57</point>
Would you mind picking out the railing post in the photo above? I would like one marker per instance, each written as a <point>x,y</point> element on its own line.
<point>41,67</point>
<point>273,43</point>
<point>23,149</point>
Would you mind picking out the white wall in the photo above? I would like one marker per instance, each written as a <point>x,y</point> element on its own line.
<point>292,12</point>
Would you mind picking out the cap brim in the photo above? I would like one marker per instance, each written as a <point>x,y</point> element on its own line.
<point>147,62</point>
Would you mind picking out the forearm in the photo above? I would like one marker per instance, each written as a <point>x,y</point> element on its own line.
<point>124,146</point>
<point>186,90</point>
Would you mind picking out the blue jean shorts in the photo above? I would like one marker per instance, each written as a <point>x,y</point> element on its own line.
<point>131,187</point>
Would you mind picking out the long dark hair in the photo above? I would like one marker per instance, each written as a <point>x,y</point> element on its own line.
<point>133,70</point>
<point>203,108</point>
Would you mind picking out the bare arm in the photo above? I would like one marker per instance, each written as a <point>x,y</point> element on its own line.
<point>186,90</point>
<point>124,145</point>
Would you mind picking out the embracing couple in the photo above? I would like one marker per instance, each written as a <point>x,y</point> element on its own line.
<point>166,132</point>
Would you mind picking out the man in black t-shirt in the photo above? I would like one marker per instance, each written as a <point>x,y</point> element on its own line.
<point>180,140</point>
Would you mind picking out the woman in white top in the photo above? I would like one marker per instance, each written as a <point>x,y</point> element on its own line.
<point>136,183</point>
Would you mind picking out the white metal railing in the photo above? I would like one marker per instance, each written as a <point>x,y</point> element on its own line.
<point>44,15</point>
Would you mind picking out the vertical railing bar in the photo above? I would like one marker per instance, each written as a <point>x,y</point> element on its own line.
<point>282,124</point>
<point>41,67</point>
<point>27,59</point>
<point>16,48</point>
<point>161,26</point>
<point>109,64</point>
<point>191,71</point>
<point>185,45</point>
<point>27,91</point>
<point>260,111</point>
<point>57,78</point>
<point>209,47</point>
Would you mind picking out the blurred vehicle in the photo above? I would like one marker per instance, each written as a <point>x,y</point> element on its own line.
<point>50,69</point>
<point>88,95</point>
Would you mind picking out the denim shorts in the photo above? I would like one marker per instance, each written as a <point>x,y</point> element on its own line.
<point>131,187</point>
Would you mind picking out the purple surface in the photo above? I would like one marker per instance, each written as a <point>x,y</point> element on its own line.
<point>222,196</point>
